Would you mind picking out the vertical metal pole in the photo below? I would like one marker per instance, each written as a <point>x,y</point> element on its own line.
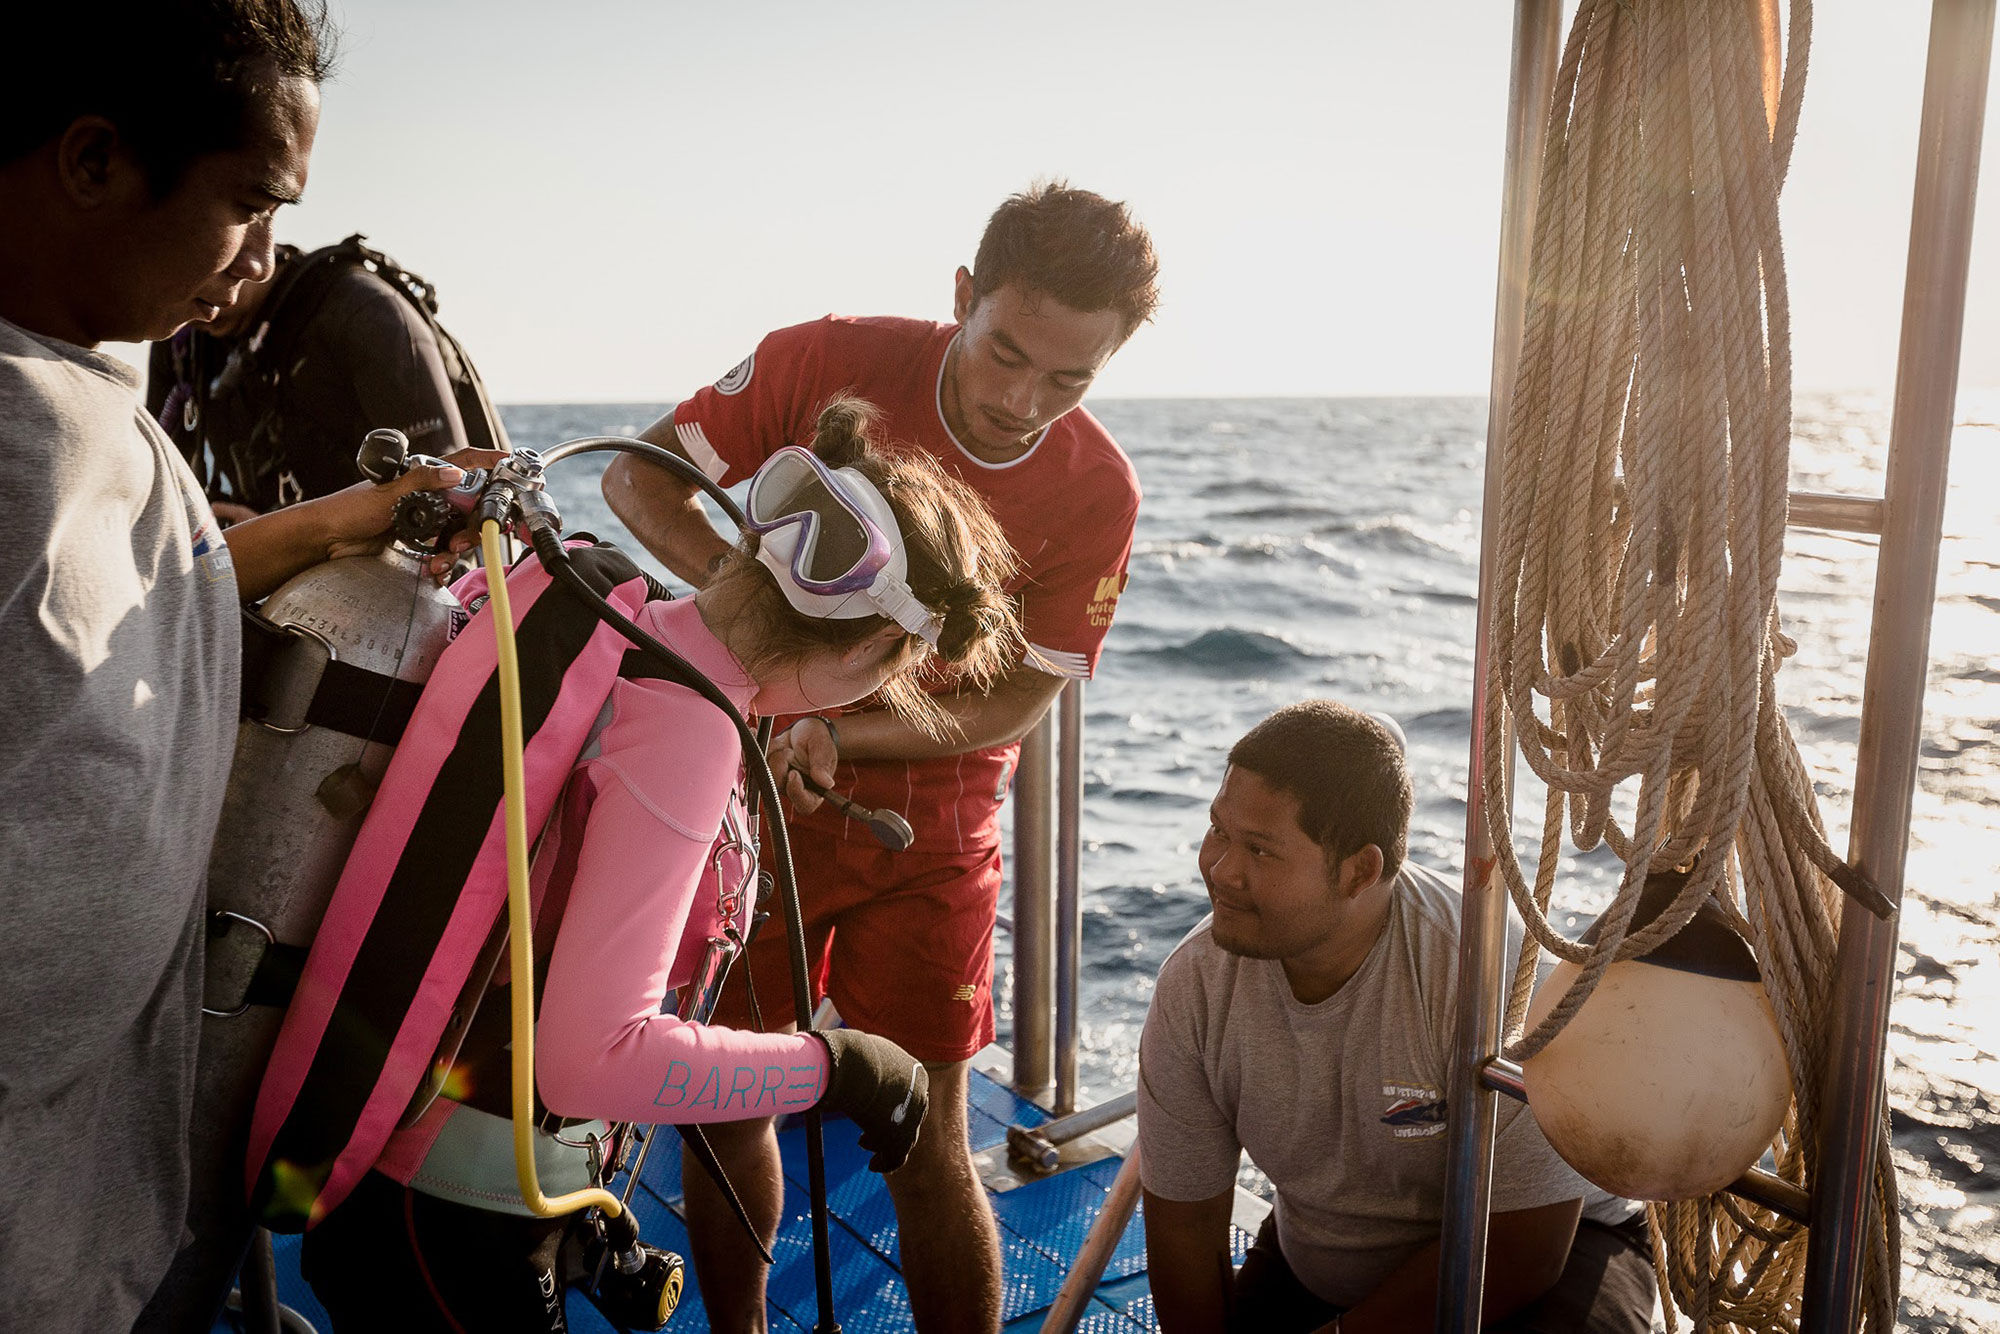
<point>1034,916</point>
<point>1892,702</point>
<point>1482,945</point>
<point>1069,898</point>
<point>257,1286</point>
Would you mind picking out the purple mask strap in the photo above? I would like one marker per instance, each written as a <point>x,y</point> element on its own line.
<point>183,390</point>
<point>170,411</point>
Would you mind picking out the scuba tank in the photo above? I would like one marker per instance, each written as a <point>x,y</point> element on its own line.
<point>381,1001</point>
<point>333,662</point>
<point>298,789</point>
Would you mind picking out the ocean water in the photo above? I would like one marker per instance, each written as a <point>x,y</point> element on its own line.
<point>1299,547</point>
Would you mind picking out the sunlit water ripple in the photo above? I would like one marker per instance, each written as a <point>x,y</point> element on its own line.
<point>1330,547</point>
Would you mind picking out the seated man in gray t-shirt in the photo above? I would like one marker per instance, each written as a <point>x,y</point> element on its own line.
<point>1309,1020</point>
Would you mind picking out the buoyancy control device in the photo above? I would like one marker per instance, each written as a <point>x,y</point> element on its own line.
<point>334,663</point>
<point>409,923</point>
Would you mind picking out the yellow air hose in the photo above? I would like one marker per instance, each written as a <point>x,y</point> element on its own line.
<point>520,921</point>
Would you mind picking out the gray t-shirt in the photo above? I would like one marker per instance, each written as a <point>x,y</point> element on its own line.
<point>119,650</point>
<point>1341,1103</point>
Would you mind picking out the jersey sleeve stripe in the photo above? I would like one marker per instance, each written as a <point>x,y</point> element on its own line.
<point>695,441</point>
<point>1055,662</point>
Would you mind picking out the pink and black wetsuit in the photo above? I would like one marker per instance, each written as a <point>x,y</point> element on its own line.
<point>627,872</point>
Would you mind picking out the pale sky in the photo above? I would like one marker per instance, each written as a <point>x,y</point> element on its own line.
<point>616,199</point>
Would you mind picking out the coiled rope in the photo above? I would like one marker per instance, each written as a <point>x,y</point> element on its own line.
<point>1642,525</point>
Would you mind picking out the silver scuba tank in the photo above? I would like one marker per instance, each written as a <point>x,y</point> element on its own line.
<point>297,793</point>
<point>296,798</point>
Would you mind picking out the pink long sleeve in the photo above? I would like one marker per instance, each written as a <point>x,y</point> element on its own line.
<point>638,890</point>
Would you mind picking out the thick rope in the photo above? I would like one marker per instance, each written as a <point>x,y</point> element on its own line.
<point>1635,632</point>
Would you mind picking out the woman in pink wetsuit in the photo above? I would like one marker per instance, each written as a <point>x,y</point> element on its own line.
<point>863,567</point>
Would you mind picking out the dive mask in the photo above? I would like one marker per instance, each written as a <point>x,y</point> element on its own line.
<point>832,540</point>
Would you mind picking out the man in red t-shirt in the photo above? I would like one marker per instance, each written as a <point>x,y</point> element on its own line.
<point>904,941</point>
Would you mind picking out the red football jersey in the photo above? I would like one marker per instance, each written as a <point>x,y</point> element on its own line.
<point>1067,505</point>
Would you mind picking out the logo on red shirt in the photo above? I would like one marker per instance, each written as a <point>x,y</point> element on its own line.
<point>1105,600</point>
<point>739,375</point>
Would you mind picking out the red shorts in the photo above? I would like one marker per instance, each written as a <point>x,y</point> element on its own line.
<point>902,942</point>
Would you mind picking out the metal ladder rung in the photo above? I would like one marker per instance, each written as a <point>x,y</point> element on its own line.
<point>1836,513</point>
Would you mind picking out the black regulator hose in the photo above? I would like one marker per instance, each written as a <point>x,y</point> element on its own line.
<point>644,449</point>
<point>555,558</point>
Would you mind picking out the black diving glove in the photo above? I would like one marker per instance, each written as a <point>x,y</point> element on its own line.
<point>881,1088</point>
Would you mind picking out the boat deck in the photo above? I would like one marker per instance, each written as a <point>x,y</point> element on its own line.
<point>1042,1225</point>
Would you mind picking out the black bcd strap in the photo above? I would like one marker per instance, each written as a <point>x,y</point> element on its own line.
<point>347,699</point>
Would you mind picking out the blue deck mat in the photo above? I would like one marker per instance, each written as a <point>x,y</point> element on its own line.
<point>661,1176</point>
<point>868,1295</point>
<point>1097,1318</point>
<point>862,1209</point>
<point>1133,1295</point>
<point>855,1195</point>
<point>1056,1214</point>
<point>991,1107</point>
<point>1041,1226</point>
<point>1133,1298</point>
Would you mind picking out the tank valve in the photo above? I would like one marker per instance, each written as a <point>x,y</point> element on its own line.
<point>421,517</point>
<point>384,455</point>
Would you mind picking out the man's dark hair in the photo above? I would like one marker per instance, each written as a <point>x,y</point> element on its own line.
<point>1346,771</point>
<point>1084,250</point>
<point>177,77</point>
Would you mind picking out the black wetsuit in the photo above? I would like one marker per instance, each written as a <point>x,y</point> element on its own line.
<point>283,422</point>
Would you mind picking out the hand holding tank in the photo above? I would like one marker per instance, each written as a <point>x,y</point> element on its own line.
<point>1671,1080</point>
<point>422,517</point>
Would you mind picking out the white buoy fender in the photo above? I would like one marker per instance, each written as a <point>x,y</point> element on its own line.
<point>1668,1083</point>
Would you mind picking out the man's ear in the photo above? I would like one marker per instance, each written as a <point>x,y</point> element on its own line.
<point>961,295</point>
<point>1360,870</point>
<point>92,162</point>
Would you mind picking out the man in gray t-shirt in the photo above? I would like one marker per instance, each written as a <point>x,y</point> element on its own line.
<point>118,606</point>
<point>1309,1020</point>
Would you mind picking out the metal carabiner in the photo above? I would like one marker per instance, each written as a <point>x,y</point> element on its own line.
<point>734,838</point>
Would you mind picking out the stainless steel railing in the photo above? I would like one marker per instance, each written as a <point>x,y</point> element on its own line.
<point>1069,892</point>
<point>1048,902</point>
<point>1892,700</point>
<point>1472,1113</point>
<point>1034,931</point>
